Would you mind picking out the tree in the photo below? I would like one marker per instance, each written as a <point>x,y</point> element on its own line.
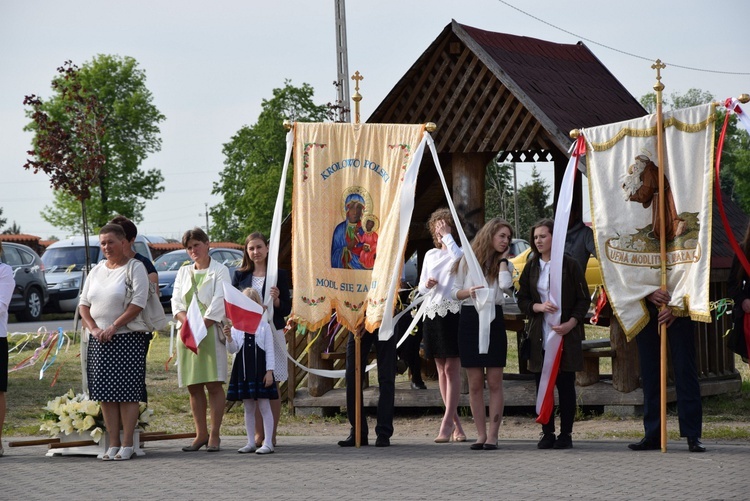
<point>13,229</point>
<point>498,195</point>
<point>253,161</point>
<point>69,150</point>
<point>131,133</point>
<point>2,219</point>
<point>532,203</point>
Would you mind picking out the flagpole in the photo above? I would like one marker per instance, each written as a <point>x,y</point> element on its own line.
<point>659,87</point>
<point>357,97</point>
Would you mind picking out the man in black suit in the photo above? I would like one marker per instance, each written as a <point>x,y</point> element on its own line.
<point>680,335</point>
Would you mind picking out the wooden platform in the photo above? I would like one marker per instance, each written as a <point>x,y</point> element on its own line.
<point>519,392</point>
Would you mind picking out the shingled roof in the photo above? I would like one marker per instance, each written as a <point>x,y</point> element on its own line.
<point>495,92</point>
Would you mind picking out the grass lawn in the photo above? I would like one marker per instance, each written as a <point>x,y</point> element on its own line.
<point>27,394</point>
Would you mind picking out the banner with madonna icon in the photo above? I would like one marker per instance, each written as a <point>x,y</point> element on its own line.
<point>346,218</point>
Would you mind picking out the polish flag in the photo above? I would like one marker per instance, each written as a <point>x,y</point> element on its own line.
<point>193,329</point>
<point>244,313</point>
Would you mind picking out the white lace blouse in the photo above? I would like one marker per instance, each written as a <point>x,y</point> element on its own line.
<point>438,264</point>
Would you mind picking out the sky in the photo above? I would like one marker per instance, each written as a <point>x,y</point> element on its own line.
<point>209,65</point>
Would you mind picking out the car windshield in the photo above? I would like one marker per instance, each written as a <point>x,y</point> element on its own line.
<point>172,261</point>
<point>63,258</point>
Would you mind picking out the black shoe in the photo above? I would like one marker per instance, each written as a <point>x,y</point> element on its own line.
<point>351,442</point>
<point>695,445</point>
<point>564,441</point>
<point>382,441</point>
<point>645,445</point>
<point>546,441</point>
<point>477,446</point>
<point>418,386</point>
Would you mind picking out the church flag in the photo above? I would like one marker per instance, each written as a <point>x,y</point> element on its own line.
<point>346,213</point>
<point>623,183</point>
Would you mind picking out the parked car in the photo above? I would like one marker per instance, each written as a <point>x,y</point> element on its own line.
<point>518,246</point>
<point>593,271</point>
<point>63,267</point>
<point>30,294</point>
<point>168,264</point>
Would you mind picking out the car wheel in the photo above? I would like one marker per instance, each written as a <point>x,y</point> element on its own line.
<point>33,306</point>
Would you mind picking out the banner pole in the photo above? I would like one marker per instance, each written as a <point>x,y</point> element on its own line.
<point>659,87</point>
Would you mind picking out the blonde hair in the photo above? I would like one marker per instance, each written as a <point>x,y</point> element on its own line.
<point>440,214</point>
<point>252,294</point>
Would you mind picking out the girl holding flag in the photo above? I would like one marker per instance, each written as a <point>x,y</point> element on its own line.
<point>252,377</point>
<point>533,300</point>
<point>491,246</point>
<point>252,273</point>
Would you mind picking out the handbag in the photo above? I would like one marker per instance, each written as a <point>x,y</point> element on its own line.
<point>153,313</point>
<point>524,347</point>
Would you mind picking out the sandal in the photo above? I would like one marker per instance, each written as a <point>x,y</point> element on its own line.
<point>110,454</point>
<point>124,454</point>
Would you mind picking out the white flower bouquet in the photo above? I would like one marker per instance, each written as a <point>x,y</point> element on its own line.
<point>75,413</point>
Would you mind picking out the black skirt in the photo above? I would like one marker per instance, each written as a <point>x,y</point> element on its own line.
<point>468,339</point>
<point>440,336</point>
<point>116,369</point>
<point>248,370</point>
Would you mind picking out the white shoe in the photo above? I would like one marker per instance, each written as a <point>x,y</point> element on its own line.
<point>110,454</point>
<point>265,450</point>
<point>247,449</point>
<point>124,454</point>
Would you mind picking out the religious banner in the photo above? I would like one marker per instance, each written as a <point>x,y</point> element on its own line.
<point>623,182</point>
<point>346,215</point>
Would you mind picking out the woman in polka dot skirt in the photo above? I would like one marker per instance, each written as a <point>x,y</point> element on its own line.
<point>110,307</point>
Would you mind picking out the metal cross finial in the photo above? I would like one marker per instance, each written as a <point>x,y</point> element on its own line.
<point>357,97</point>
<point>658,66</point>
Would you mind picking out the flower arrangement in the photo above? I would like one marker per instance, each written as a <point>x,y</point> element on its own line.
<point>75,413</point>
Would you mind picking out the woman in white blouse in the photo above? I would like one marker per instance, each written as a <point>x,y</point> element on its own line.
<point>491,246</point>
<point>113,297</point>
<point>440,325</point>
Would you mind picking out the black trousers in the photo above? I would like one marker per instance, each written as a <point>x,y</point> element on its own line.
<point>409,350</point>
<point>681,340</point>
<point>566,393</point>
<point>386,357</point>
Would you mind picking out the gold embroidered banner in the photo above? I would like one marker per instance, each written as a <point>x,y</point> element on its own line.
<point>345,226</point>
<point>623,182</point>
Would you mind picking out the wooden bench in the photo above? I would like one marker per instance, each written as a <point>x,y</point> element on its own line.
<point>593,350</point>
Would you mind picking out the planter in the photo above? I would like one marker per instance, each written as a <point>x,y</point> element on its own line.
<point>97,450</point>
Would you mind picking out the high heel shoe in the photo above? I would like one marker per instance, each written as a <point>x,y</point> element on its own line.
<point>214,448</point>
<point>440,439</point>
<point>195,446</point>
<point>110,454</point>
<point>124,454</point>
<point>458,437</point>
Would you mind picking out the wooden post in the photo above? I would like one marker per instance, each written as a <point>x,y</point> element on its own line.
<point>317,385</point>
<point>625,373</point>
<point>468,177</point>
<point>357,389</point>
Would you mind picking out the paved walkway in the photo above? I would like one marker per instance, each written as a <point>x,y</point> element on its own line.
<point>313,468</point>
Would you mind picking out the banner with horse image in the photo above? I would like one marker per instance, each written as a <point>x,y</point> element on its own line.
<point>345,219</point>
<point>623,183</point>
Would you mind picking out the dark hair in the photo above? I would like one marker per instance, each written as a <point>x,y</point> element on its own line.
<point>130,229</point>
<point>549,224</point>
<point>247,264</point>
<point>113,228</point>
<point>194,234</point>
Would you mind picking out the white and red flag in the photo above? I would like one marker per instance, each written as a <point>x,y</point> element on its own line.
<point>193,329</point>
<point>244,313</point>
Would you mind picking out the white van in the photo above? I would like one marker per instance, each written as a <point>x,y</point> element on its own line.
<point>63,268</point>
